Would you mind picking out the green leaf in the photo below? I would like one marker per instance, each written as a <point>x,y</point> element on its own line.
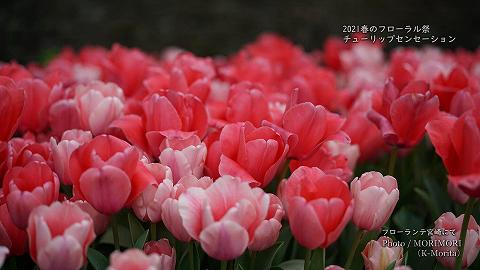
<point>97,259</point>
<point>264,258</point>
<point>406,218</point>
<point>290,265</point>
<point>391,265</point>
<point>428,201</point>
<point>123,234</point>
<point>136,228</point>
<point>141,240</point>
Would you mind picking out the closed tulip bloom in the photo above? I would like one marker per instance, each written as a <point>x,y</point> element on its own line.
<point>135,259</point>
<point>184,154</point>
<point>100,221</point>
<point>377,255</point>
<point>170,208</point>
<point>318,206</point>
<point>268,231</point>
<point>247,103</point>
<point>167,253</point>
<point>449,135</point>
<point>11,107</point>
<point>252,154</point>
<point>11,236</point>
<point>105,166</point>
<point>61,152</point>
<point>99,104</point>
<point>224,217</point>
<point>334,267</point>
<point>313,125</point>
<point>36,96</point>
<point>28,187</point>
<point>448,221</point>
<point>375,197</point>
<point>402,115</point>
<point>148,205</point>
<point>59,236</point>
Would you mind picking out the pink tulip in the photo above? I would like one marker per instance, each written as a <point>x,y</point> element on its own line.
<point>11,236</point>
<point>241,147</point>
<point>148,205</point>
<point>61,152</point>
<point>375,197</point>
<point>313,125</point>
<point>334,267</point>
<point>378,255</point>
<point>247,103</point>
<point>100,221</point>
<point>11,107</point>
<point>36,96</point>
<point>184,154</point>
<point>225,217</point>
<point>28,187</point>
<point>135,259</point>
<point>447,222</point>
<point>59,243</point>
<point>167,253</point>
<point>318,206</point>
<point>170,207</point>
<point>104,166</point>
<point>268,231</point>
<point>99,104</point>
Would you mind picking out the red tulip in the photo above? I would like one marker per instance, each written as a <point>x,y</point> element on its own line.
<point>241,147</point>
<point>402,116</point>
<point>167,253</point>
<point>313,125</point>
<point>27,187</point>
<point>247,103</point>
<point>11,107</point>
<point>36,96</point>
<point>59,236</point>
<point>105,166</point>
<point>11,236</point>
<point>457,142</point>
<point>318,206</point>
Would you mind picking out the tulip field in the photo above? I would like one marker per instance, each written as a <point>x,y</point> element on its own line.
<point>350,156</point>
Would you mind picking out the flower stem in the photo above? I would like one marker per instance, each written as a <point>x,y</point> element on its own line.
<point>253,256</point>
<point>322,263</point>
<point>308,256</point>
<point>190,255</point>
<point>463,234</point>
<point>116,239</point>
<point>353,250</point>
<point>153,231</point>
<point>392,161</point>
<point>223,265</point>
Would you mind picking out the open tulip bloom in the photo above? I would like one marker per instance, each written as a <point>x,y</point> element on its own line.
<point>269,158</point>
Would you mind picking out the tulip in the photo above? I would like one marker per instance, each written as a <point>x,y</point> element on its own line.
<point>252,154</point>
<point>61,152</point>
<point>247,103</point>
<point>134,259</point>
<point>375,197</point>
<point>170,208</point>
<point>167,253</point>
<point>378,255</point>
<point>402,115</point>
<point>447,222</point>
<point>104,166</point>
<point>11,236</point>
<point>462,161</point>
<point>36,96</point>
<point>313,125</point>
<point>225,217</point>
<point>334,267</point>
<point>311,199</point>
<point>28,187</point>
<point>59,243</point>
<point>184,153</point>
<point>99,104</point>
<point>11,107</point>
<point>100,221</point>
<point>148,205</point>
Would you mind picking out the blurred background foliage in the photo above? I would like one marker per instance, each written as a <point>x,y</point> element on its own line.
<point>33,30</point>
